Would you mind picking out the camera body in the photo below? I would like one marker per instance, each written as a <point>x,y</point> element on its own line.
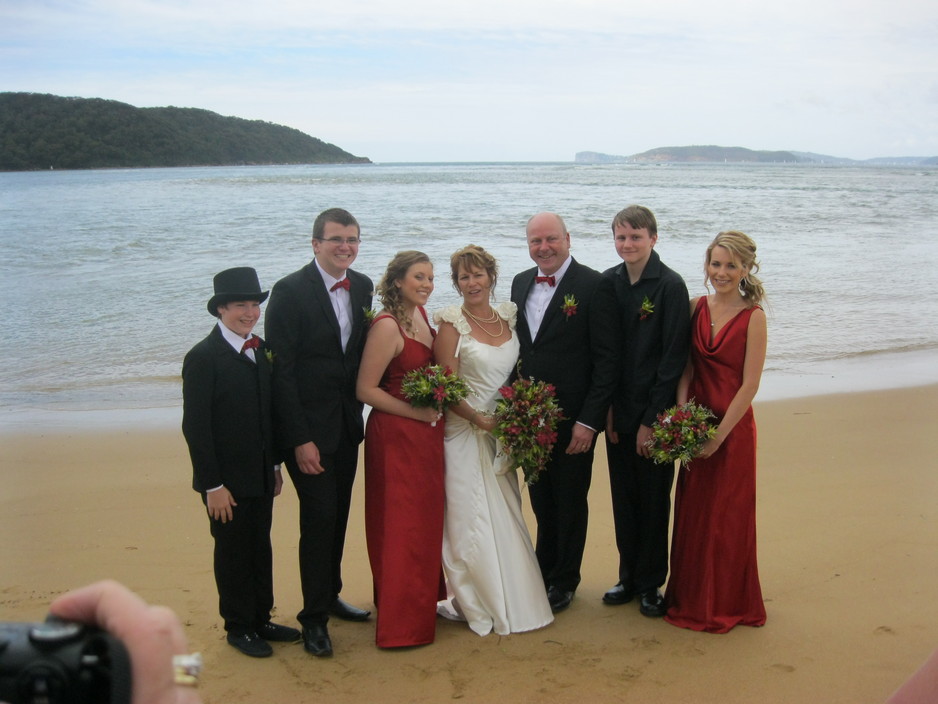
<point>59,662</point>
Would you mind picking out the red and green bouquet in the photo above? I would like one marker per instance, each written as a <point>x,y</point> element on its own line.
<point>434,385</point>
<point>526,418</point>
<point>680,431</point>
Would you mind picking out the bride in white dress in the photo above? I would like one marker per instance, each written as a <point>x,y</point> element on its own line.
<point>488,558</point>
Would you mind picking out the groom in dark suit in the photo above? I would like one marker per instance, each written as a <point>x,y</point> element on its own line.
<point>568,329</point>
<point>315,326</point>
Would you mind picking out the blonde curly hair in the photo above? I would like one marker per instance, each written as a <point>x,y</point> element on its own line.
<point>743,250</point>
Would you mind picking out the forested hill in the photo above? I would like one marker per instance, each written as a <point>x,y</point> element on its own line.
<point>47,131</point>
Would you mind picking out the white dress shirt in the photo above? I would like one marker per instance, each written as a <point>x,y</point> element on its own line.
<point>341,304</point>
<point>236,341</point>
<point>536,305</point>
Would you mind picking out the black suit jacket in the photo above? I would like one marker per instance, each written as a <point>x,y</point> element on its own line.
<point>314,380</point>
<point>226,418</point>
<point>577,353</point>
<point>656,346</point>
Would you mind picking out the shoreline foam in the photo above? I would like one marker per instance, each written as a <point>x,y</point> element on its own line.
<point>869,372</point>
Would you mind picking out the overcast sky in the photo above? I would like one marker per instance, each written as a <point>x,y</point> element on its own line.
<point>506,80</point>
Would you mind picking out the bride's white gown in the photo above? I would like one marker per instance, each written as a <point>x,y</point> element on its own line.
<point>488,558</point>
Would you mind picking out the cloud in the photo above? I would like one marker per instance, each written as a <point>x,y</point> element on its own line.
<point>503,79</point>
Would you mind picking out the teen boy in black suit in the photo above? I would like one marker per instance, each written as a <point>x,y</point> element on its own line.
<point>652,301</point>
<point>227,424</point>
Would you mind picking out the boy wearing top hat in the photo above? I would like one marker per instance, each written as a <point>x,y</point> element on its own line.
<point>227,425</point>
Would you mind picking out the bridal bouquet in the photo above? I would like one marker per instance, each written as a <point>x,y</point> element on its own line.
<point>679,433</point>
<point>434,385</point>
<point>526,419</point>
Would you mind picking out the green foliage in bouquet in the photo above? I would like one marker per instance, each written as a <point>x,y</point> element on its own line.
<point>526,419</point>
<point>680,431</point>
<point>434,385</point>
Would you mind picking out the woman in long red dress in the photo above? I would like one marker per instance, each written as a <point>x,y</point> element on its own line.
<point>403,461</point>
<point>714,582</point>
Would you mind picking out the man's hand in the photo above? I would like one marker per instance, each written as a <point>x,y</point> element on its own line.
<point>641,439</point>
<point>219,504</point>
<point>611,433</point>
<point>581,440</point>
<point>307,458</point>
<point>278,481</point>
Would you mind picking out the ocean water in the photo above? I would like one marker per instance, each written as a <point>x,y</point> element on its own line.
<point>106,273</point>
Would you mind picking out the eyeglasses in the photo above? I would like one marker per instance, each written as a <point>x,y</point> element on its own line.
<point>350,241</point>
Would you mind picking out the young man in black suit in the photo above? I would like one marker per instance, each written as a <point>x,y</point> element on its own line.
<point>316,324</point>
<point>653,304</point>
<point>568,330</point>
<point>226,421</point>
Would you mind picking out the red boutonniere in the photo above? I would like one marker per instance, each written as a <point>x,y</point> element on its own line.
<point>646,310</point>
<point>569,305</point>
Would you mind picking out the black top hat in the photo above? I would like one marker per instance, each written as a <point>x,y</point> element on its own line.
<point>238,284</point>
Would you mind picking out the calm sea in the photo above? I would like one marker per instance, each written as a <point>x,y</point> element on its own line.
<point>106,273</point>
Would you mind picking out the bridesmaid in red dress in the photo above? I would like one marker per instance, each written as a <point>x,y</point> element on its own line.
<point>714,582</point>
<point>403,461</point>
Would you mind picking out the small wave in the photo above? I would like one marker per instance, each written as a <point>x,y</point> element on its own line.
<point>902,349</point>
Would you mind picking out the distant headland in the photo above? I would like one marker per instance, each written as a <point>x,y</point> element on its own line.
<point>48,131</point>
<point>715,154</point>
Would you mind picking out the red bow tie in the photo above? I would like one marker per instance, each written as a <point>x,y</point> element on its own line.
<point>545,280</point>
<point>251,344</point>
<point>344,283</point>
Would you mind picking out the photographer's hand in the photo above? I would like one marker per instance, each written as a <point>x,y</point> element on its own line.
<point>151,634</point>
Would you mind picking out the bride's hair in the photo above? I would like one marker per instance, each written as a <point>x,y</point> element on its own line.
<point>473,257</point>
<point>743,250</point>
<point>389,294</point>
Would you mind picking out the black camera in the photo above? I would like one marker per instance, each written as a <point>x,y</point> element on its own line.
<point>60,662</point>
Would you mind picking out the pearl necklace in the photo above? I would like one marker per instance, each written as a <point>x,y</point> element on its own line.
<point>482,322</point>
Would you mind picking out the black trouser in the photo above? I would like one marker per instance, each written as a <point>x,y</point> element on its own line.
<point>324,507</point>
<point>244,565</point>
<point>559,501</point>
<point>641,509</point>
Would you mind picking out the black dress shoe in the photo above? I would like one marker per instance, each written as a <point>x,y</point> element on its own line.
<point>558,599</point>
<point>345,611</point>
<point>652,604</point>
<point>279,634</point>
<point>619,594</point>
<point>251,644</point>
<point>316,641</point>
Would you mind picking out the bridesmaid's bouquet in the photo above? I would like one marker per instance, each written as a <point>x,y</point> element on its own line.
<point>434,385</point>
<point>526,418</point>
<point>679,433</point>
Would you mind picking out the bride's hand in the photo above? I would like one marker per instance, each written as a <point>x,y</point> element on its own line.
<point>484,421</point>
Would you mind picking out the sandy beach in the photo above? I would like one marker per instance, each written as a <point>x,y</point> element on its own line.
<point>848,551</point>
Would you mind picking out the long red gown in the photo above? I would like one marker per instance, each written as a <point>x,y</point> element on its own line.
<point>714,582</point>
<point>404,512</point>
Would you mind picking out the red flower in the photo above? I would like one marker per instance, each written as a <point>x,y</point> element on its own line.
<point>546,438</point>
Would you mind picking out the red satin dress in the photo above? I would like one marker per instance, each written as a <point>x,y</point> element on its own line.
<point>714,581</point>
<point>404,512</point>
